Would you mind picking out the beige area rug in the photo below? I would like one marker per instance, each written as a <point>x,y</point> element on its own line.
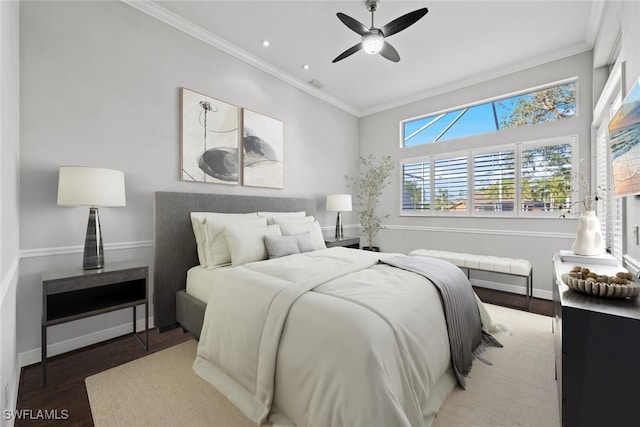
<point>519,389</point>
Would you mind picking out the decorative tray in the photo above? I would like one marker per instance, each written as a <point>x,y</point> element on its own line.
<point>619,286</point>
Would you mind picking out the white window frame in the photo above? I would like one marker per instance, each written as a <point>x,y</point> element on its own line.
<point>614,207</point>
<point>401,136</point>
<point>518,148</point>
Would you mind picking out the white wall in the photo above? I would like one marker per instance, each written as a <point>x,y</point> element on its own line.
<point>9,186</point>
<point>101,87</point>
<point>532,239</point>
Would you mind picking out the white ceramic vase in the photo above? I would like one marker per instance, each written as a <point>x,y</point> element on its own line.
<point>588,237</point>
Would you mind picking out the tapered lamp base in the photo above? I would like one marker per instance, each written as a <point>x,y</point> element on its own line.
<point>93,251</point>
<point>339,232</point>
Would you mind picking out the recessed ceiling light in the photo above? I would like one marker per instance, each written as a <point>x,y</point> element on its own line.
<point>305,67</point>
<point>265,43</point>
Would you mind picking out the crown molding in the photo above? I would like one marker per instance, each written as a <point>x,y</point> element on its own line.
<point>160,13</point>
<point>559,54</point>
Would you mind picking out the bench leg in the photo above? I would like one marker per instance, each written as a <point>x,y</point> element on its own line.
<point>529,289</point>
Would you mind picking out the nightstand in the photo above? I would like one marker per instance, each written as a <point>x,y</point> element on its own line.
<point>76,294</point>
<point>347,242</point>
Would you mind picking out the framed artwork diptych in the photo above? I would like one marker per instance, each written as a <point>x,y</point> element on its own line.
<point>263,150</point>
<point>210,139</point>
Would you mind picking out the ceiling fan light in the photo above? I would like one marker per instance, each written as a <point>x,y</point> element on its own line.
<point>372,43</point>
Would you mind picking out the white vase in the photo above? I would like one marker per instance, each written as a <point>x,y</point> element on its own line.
<point>588,237</point>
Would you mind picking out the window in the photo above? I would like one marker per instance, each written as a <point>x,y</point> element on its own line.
<point>416,185</point>
<point>554,102</point>
<point>521,179</point>
<point>546,177</point>
<point>450,184</point>
<point>610,208</point>
<point>494,183</point>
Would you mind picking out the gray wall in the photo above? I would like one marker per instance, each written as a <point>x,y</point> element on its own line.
<point>532,239</point>
<point>101,87</point>
<point>9,186</point>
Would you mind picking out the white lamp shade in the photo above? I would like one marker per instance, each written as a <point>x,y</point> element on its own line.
<point>85,186</point>
<point>339,202</point>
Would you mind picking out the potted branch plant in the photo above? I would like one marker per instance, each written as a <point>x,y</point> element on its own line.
<point>374,177</point>
<point>588,235</point>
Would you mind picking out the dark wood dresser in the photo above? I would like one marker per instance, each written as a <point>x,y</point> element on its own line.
<point>597,346</point>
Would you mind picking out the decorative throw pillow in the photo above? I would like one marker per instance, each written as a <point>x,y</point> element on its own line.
<point>279,246</point>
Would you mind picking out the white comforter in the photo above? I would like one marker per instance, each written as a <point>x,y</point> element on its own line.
<point>367,346</point>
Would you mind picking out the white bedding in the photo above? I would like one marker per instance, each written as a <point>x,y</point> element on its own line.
<point>200,279</point>
<point>367,346</point>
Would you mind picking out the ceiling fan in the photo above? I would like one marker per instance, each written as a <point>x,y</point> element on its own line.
<point>373,39</point>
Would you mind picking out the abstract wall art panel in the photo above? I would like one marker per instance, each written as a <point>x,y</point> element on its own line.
<point>263,150</point>
<point>210,139</point>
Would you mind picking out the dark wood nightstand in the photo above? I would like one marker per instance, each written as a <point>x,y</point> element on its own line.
<point>76,294</point>
<point>347,242</point>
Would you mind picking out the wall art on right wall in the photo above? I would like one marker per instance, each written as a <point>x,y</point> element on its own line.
<point>624,136</point>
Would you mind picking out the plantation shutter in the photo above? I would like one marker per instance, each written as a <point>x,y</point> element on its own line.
<point>416,186</point>
<point>494,176</point>
<point>451,184</point>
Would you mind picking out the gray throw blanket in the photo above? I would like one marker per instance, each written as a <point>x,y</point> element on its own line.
<point>466,337</point>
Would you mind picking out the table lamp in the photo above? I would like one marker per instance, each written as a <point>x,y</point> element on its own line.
<point>339,203</point>
<point>93,187</point>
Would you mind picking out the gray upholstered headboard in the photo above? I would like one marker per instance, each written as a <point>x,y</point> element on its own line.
<point>175,246</point>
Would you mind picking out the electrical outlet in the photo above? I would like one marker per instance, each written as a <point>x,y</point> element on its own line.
<point>636,237</point>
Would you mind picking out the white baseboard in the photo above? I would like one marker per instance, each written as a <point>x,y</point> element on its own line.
<point>31,357</point>
<point>505,287</point>
<point>11,400</point>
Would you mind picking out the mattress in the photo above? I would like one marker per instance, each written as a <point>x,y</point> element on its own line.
<point>200,280</point>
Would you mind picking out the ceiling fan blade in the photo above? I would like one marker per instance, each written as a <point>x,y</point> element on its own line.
<point>403,22</point>
<point>348,52</point>
<point>389,52</point>
<point>356,26</point>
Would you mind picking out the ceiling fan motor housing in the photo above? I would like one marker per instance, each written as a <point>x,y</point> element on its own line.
<point>372,5</point>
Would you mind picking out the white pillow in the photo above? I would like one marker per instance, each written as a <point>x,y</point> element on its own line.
<point>280,215</point>
<point>216,249</point>
<point>197,224</point>
<point>247,243</point>
<point>292,219</point>
<point>304,241</point>
<point>317,239</point>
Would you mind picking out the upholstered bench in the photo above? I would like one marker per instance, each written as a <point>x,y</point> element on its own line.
<point>496,264</point>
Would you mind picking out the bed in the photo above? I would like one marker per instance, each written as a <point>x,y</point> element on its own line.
<point>318,337</point>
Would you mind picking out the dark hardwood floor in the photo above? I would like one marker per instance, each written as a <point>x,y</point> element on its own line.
<point>66,373</point>
<point>519,302</point>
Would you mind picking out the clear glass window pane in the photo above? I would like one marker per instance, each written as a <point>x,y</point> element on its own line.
<point>546,178</point>
<point>450,185</point>
<point>494,181</point>
<point>416,186</point>
<point>544,105</point>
